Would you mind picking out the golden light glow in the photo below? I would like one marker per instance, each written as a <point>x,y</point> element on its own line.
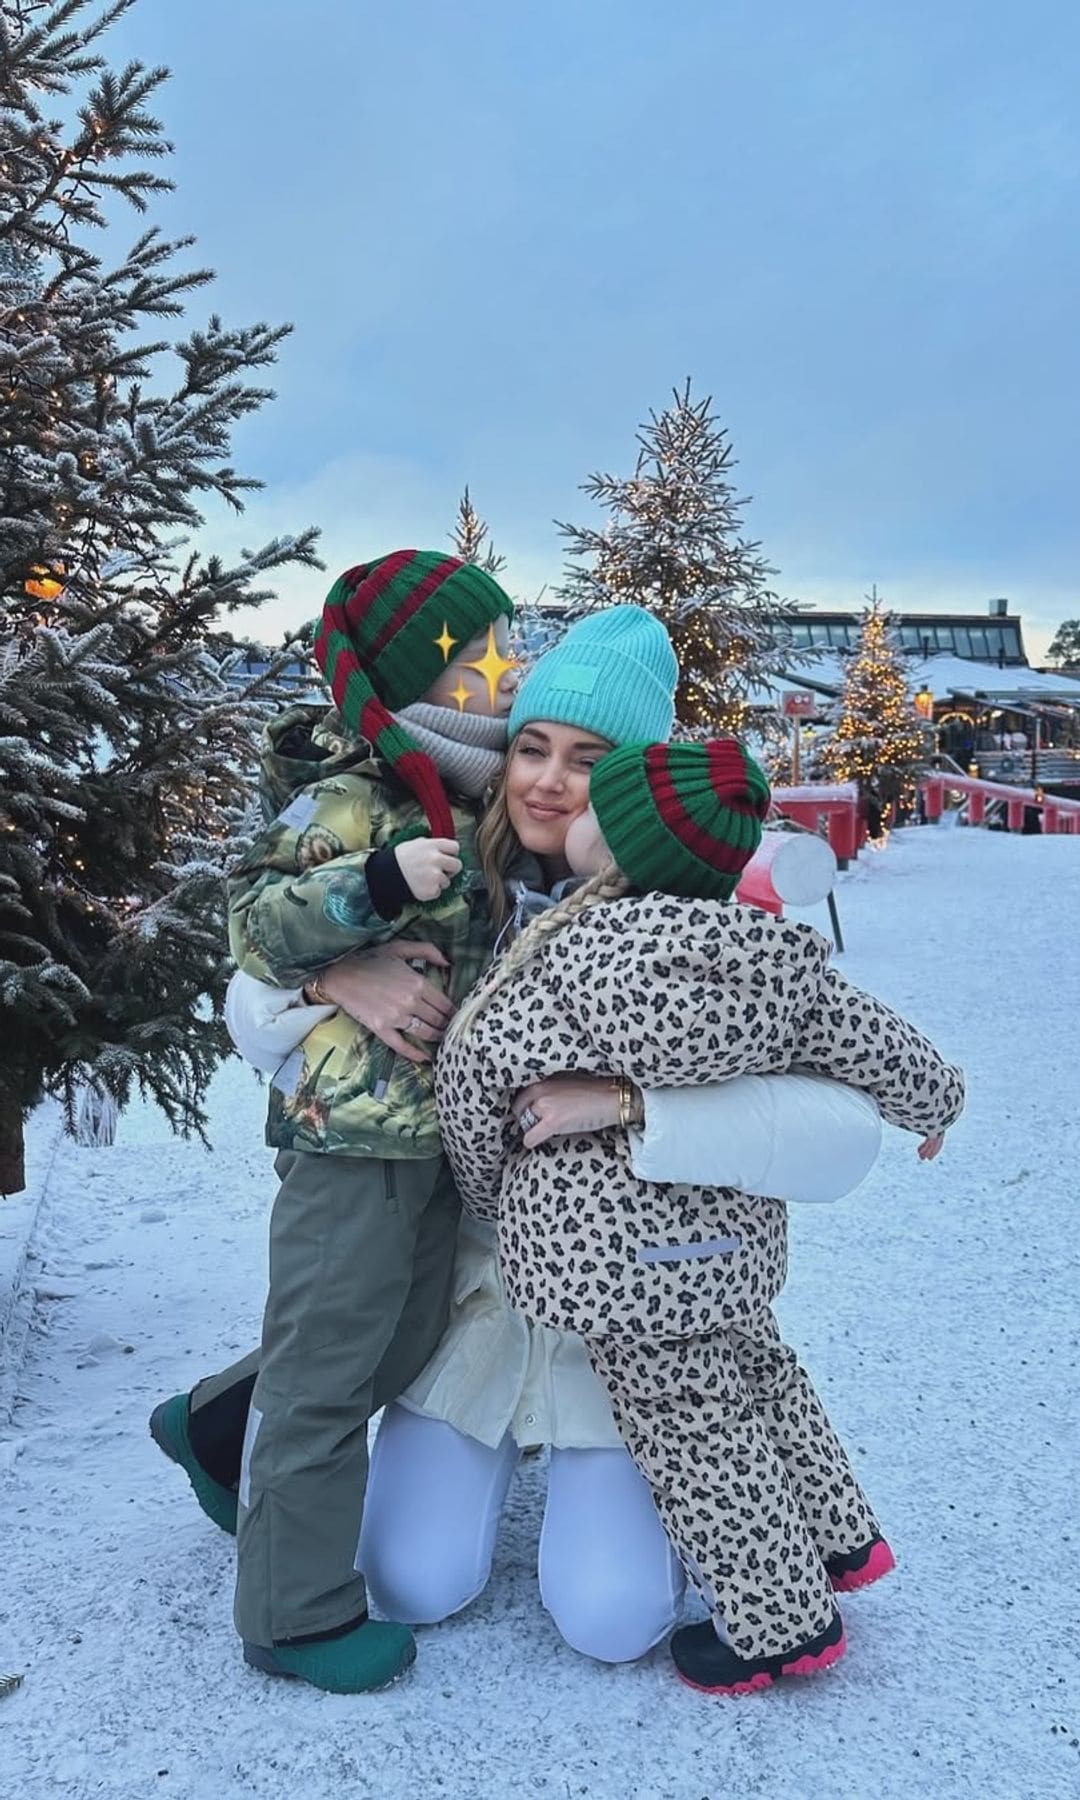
<point>877,734</point>
<point>43,583</point>
<point>493,665</point>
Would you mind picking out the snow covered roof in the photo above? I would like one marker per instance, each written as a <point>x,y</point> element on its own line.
<point>948,675</point>
<point>944,675</point>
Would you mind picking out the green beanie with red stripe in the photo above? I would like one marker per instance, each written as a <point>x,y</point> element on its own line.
<point>681,818</point>
<point>389,628</point>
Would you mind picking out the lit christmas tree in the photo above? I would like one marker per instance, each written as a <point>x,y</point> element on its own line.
<point>472,540</point>
<point>878,741</point>
<point>673,543</point>
<point>126,738</point>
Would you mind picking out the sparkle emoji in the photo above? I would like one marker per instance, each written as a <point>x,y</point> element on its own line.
<point>446,642</point>
<point>493,665</point>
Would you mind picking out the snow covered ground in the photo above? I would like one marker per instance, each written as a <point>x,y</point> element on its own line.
<point>938,1309</point>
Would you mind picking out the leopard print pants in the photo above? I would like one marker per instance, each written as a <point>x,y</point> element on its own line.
<point>748,1476</point>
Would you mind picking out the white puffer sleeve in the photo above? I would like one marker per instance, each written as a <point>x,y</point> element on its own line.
<point>791,1137</point>
<point>266,1023</point>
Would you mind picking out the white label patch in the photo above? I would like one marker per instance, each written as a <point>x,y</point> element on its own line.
<point>668,1253</point>
<point>299,812</point>
<point>254,1420</point>
<point>287,1078</point>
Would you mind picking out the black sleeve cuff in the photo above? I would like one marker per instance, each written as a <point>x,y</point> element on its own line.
<point>387,886</point>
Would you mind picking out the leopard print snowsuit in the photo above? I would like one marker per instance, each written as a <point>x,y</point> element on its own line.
<point>671,1286</point>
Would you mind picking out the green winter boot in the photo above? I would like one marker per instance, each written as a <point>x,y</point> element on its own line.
<point>372,1656</point>
<point>169,1430</point>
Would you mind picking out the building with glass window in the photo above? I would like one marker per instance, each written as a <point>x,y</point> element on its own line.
<point>990,638</point>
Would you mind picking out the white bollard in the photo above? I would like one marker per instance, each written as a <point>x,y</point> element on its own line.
<point>792,868</point>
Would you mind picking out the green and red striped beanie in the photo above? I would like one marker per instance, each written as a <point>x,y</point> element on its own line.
<point>389,628</point>
<point>681,818</point>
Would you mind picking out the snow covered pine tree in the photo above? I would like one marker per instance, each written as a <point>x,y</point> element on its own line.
<point>673,544</point>
<point>878,741</point>
<point>472,540</point>
<point>124,747</point>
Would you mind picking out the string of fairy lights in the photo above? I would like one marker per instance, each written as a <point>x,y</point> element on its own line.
<point>878,730</point>
<point>713,658</point>
<point>181,818</point>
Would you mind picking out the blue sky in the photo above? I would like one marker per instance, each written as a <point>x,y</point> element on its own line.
<point>504,230</point>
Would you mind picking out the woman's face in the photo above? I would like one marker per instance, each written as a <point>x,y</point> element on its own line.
<point>547,784</point>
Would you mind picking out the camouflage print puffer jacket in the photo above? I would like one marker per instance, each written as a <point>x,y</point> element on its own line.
<point>299,900</point>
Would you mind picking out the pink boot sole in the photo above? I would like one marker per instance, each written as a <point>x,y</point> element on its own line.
<point>803,1665</point>
<point>880,1561</point>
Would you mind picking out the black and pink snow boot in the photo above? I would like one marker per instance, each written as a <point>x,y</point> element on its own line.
<point>705,1662</point>
<point>860,1568</point>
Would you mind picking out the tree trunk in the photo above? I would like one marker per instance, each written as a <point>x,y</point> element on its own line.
<point>12,1160</point>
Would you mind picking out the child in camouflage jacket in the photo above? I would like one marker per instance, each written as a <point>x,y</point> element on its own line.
<point>370,845</point>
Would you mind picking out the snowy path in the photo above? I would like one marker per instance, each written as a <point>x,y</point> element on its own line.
<point>938,1310</point>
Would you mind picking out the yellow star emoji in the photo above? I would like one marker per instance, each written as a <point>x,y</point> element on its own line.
<point>493,665</point>
<point>461,694</point>
<point>446,642</point>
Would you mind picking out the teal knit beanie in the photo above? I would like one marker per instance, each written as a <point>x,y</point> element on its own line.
<point>613,674</point>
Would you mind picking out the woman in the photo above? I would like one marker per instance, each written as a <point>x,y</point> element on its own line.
<point>444,1457</point>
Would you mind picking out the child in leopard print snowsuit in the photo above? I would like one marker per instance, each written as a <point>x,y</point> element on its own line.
<point>647,973</point>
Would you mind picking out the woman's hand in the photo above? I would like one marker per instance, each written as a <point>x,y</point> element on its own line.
<point>564,1105</point>
<point>380,990</point>
<point>930,1147</point>
<point>428,865</point>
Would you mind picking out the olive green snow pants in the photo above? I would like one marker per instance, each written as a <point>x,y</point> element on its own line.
<point>361,1264</point>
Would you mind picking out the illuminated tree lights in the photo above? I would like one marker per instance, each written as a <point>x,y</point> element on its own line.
<point>673,543</point>
<point>878,741</point>
<point>125,745</point>
<point>472,540</point>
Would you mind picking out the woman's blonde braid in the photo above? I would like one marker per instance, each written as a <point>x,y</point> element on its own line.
<point>609,885</point>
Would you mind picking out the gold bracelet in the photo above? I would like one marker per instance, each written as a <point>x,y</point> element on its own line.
<point>315,991</point>
<point>629,1110</point>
